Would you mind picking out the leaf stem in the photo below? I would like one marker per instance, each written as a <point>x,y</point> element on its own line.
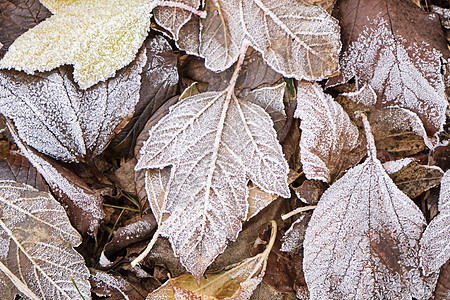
<point>200,13</point>
<point>297,211</point>
<point>23,288</point>
<point>147,250</point>
<point>230,88</point>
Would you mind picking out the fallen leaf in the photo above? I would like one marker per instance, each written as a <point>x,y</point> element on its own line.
<point>238,282</point>
<point>85,207</point>
<point>257,200</point>
<point>59,119</point>
<point>273,28</point>
<point>114,287</point>
<point>442,291</point>
<point>363,238</point>
<point>381,42</point>
<point>444,15</point>
<point>294,237</point>
<point>330,143</point>
<point>310,191</point>
<point>414,179</point>
<point>206,138</point>
<point>159,81</point>
<point>37,259</point>
<point>16,18</point>
<point>435,244</point>
<point>97,37</point>
<point>393,166</point>
<point>17,168</point>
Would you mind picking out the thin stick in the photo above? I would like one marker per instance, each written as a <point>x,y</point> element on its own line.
<point>297,211</point>
<point>147,250</point>
<point>200,13</point>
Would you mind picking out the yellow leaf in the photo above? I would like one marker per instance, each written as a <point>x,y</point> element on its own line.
<point>97,37</point>
<point>237,282</point>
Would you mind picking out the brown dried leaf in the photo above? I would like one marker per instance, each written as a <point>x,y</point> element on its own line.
<point>85,206</point>
<point>397,48</point>
<point>310,191</point>
<point>294,237</point>
<point>37,259</point>
<point>54,116</point>
<point>212,160</point>
<point>17,17</point>
<point>159,80</point>
<point>414,179</point>
<point>238,282</point>
<point>435,242</point>
<point>330,143</point>
<point>363,238</point>
<point>17,168</point>
<point>442,291</point>
<point>114,287</point>
<point>272,27</point>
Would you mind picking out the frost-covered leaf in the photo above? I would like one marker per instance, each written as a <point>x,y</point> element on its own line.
<point>36,253</point>
<point>442,291</point>
<point>159,81</point>
<point>85,207</point>
<point>398,49</point>
<point>97,37</point>
<point>215,145</point>
<point>114,287</point>
<point>54,116</point>
<point>294,237</point>
<point>17,168</point>
<point>414,179</point>
<point>394,166</point>
<point>435,242</point>
<point>127,235</point>
<point>330,143</point>
<point>444,15</point>
<point>17,17</point>
<point>363,238</point>
<point>295,40</point>
<point>173,18</point>
<point>237,282</point>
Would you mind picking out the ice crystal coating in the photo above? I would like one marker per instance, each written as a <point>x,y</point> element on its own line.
<point>295,40</point>
<point>97,37</point>
<point>36,247</point>
<point>215,146</point>
<point>435,242</point>
<point>401,75</point>
<point>173,18</point>
<point>106,284</point>
<point>328,136</point>
<point>394,166</point>
<point>54,116</point>
<point>363,238</point>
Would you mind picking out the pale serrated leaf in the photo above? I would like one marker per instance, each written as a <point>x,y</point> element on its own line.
<point>215,146</point>
<point>295,40</point>
<point>329,142</point>
<point>36,246</point>
<point>97,37</point>
<point>363,238</point>
<point>401,62</point>
<point>435,242</point>
<point>54,116</point>
<point>173,18</point>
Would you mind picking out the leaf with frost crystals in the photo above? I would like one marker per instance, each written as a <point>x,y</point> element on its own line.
<point>236,283</point>
<point>435,242</point>
<point>330,142</point>
<point>54,116</point>
<point>215,146</point>
<point>400,60</point>
<point>85,207</point>
<point>295,40</point>
<point>36,247</point>
<point>363,238</point>
<point>173,18</point>
<point>112,286</point>
<point>97,37</point>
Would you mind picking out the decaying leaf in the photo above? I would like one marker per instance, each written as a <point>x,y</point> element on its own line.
<point>442,291</point>
<point>54,116</point>
<point>306,49</point>
<point>363,238</point>
<point>114,287</point>
<point>17,17</point>
<point>435,242</point>
<point>414,179</point>
<point>16,167</point>
<point>37,259</point>
<point>238,282</point>
<point>398,49</point>
<point>97,37</point>
<point>85,207</point>
<point>330,143</point>
<point>215,145</point>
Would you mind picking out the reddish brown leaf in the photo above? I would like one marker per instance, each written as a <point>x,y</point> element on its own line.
<point>442,291</point>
